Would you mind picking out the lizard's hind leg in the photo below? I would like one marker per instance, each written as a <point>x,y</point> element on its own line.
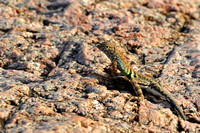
<point>137,89</point>
<point>135,86</point>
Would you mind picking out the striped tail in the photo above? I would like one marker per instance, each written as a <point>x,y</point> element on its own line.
<point>176,106</point>
<point>168,96</point>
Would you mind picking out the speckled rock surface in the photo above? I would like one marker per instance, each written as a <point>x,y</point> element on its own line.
<point>54,79</point>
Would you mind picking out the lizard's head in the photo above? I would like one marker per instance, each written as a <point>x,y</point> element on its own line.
<point>108,48</point>
<point>102,44</point>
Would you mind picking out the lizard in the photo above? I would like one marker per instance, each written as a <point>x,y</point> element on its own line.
<point>138,79</point>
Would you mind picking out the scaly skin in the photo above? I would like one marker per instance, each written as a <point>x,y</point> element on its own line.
<point>139,80</point>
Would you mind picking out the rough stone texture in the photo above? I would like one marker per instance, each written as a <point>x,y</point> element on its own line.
<point>54,79</point>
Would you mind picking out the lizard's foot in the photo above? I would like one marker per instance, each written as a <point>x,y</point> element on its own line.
<point>133,98</point>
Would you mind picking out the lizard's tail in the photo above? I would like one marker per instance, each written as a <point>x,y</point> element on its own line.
<point>168,96</point>
<point>176,106</point>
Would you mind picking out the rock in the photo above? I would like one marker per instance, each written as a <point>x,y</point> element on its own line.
<point>54,79</point>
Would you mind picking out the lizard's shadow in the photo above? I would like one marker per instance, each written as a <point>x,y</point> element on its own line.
<point>122,84</point>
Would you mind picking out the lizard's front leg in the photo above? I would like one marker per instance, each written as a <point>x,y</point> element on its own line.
<point>113,68</point>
